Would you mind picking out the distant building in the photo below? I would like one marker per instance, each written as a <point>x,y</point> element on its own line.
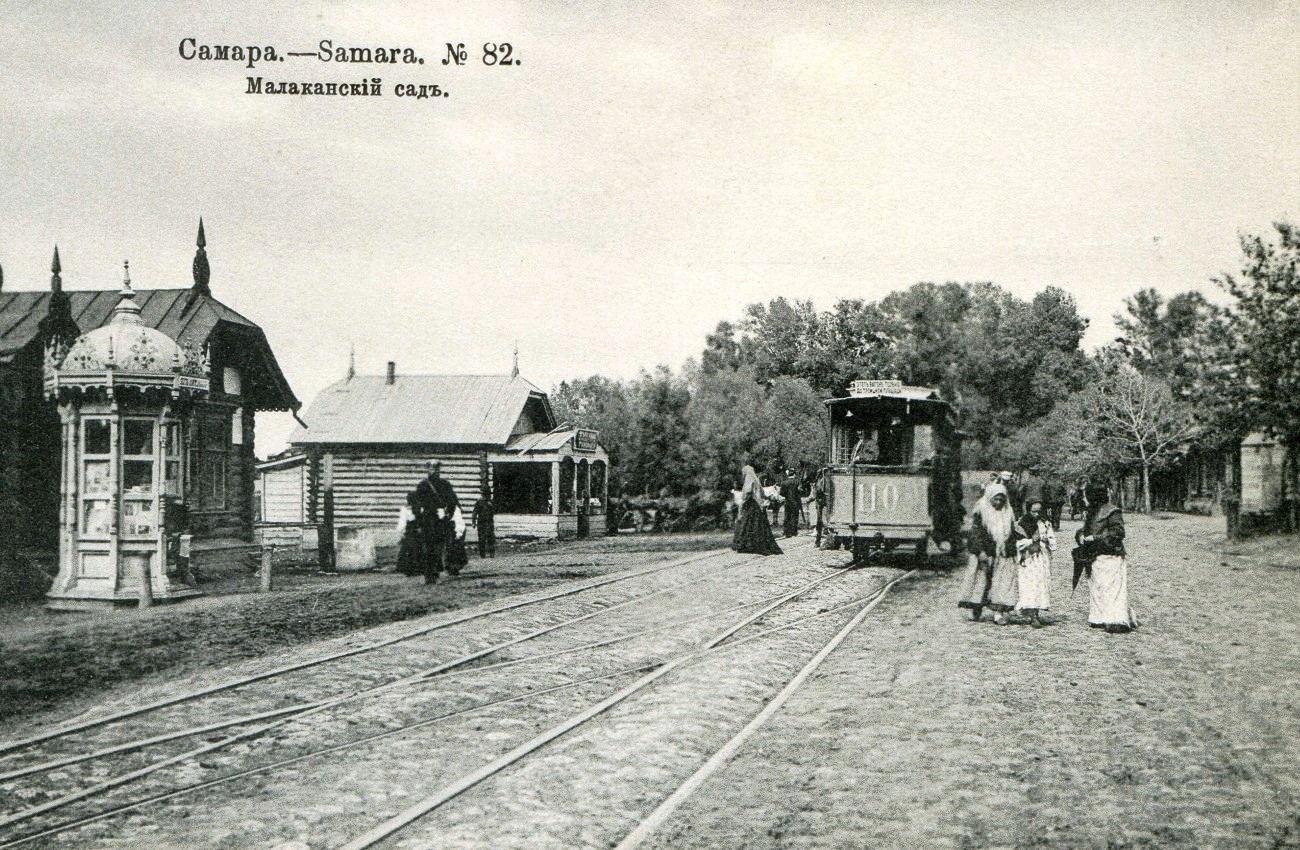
<point>378,432</point>
<point>214,466</point>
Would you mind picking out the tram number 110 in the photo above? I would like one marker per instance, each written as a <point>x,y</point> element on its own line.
<point>878,496</point>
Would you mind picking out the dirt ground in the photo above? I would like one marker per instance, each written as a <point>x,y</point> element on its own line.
<point>921,730</point>
<point>53,662</point>
<point>927,730</point>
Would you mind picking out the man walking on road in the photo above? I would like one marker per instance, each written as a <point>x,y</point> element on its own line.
<point>435,505</point>
<point>1054,501</point>
<point>792,502</point>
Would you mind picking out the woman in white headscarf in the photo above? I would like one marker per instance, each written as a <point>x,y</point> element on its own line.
<point>753,531</point>
<point>991,575</point>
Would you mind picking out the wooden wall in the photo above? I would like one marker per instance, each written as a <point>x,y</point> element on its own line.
<point>284,494</point>
<point>370,487</point>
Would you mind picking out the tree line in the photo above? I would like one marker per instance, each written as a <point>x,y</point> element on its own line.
<point>1182,369</point>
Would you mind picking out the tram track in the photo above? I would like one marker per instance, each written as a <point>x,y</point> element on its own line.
<point>8,747</point>
<point>663,667</point>
<point>391,827</point>
<point>457,667</point>
<point>298,713</point>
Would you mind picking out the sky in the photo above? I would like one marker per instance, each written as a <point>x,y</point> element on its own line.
<point>643,172</point>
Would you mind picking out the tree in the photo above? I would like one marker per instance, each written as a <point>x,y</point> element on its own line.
<point>1266,320</point>
<point>725,421</point>
<point>656,459</point>
<point>1188,343</point>
<point>1138,419</point>
<point>601,404</point>
<point>794,426</point>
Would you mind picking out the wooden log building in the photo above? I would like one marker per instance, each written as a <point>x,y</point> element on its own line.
<point>377,433</point>
<point>218,465</point>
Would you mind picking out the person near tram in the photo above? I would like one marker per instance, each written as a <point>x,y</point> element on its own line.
<point>1034,547</point>
<point>793,501</point>
<point>991,580</point>
<point>753,533</point>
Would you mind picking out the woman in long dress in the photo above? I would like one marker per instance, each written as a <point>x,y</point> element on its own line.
<point>1103,535</point>
<point>1035,547</point>
<point>991,575</point>
<point>753,532</point>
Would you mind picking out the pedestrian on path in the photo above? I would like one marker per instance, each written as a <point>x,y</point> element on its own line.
<point>991,580</point>
<point>753,531</point>
<point>792,502</point>
<point>1053,501</point>
<point>436,509</point>
<point>484,519</point>
<point>1035,546</point>
<point>1102,539</point>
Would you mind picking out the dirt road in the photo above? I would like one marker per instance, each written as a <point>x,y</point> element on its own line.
<point>921,730</point>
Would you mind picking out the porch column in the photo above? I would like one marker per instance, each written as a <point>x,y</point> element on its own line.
<point>555,488</point>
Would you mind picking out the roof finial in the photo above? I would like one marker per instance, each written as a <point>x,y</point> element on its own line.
<point>514,371</point>
<point>202,273</point>
<point>127,311</point>
<point>352,362</point>
<point>58,325</point>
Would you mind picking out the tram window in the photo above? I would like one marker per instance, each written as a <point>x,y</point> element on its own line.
<point>922,443</point>
<point>888,443</point>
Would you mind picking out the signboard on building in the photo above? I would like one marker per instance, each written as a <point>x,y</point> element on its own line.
<point>868,388</point>
<point>585,440</point>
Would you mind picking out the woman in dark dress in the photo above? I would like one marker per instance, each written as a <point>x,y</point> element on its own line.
<point>410,552</point>
<point>753,532</point>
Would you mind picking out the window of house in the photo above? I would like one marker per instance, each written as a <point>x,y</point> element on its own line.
<point>216,460</point>
<point>231,382</point>
<point>138,460</point>
<point>96,477</point>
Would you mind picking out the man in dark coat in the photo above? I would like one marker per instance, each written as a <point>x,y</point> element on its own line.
<point>435,504</point>
<point>790,495</point>
<point>1054,501</point>
<point>484,517</point>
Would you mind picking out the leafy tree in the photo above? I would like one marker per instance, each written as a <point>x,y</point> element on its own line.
<point>721,350</point>
<point>1189,343</point>
<point>658,447</point>
<point>600,403</point>
<point>794,426</point>
<point>725,422</point>
<point>1266,342</point>
<point>1139,420</point>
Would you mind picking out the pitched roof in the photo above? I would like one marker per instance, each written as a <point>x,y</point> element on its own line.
<point>462,409</point>
<point>172,311</point>
<point>541,441</point>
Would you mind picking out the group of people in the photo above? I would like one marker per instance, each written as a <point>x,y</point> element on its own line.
<point>1011,544</point>
<point>433,529</point>
<point>753,531</point>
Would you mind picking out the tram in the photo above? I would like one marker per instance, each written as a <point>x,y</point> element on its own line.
<point>893,481</point>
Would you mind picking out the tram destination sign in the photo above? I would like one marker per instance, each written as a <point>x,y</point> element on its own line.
<point>865,388</point>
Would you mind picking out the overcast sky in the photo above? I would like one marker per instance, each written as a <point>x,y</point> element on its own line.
<point>640,175</point>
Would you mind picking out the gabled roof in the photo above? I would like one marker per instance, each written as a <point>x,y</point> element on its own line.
<point>183,316</point>
<point>460,409</point>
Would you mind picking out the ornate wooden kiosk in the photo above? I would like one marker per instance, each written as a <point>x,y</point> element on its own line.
<point>122,391</point>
